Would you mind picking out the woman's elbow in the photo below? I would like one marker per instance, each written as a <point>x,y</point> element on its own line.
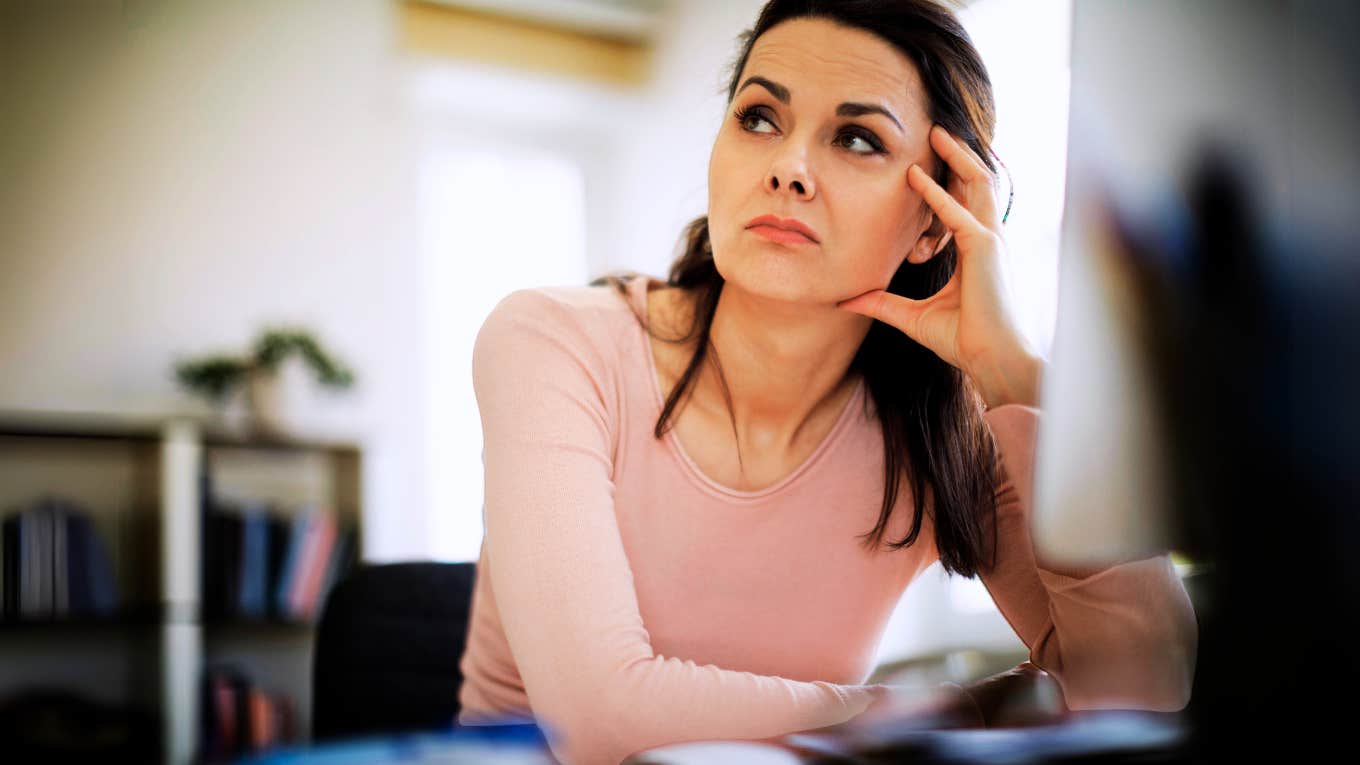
<point>602,727</point>
<point>1142,661</point>
<point>1154,674</point>
<point>1160,684</point>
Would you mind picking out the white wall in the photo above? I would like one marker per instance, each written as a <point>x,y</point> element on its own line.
<point>176,175</point>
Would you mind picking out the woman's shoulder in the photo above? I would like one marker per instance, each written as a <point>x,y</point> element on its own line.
<point>594,307</point>
<point>589,321</point>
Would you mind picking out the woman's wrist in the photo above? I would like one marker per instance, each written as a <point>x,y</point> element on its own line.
<point>1013,380</point>
<point>966,708</point>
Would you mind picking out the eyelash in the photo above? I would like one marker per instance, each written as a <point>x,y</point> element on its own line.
<point>746,112</point>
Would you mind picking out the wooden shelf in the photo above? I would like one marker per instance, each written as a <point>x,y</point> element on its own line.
<point>139,478</point>
<point>247,625</point>
<point>102,425</point>
<point>79,624</point>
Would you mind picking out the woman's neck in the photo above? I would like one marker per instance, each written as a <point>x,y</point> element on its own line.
<point>784,364</point>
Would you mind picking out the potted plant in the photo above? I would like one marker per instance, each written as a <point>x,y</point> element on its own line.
<point>277,379</point>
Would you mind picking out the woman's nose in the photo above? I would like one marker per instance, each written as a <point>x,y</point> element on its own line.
<point>790,173</point>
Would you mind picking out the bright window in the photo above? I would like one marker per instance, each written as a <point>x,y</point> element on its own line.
<point>494,218</point>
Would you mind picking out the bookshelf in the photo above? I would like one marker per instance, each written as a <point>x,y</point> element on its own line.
<point>149,487</point>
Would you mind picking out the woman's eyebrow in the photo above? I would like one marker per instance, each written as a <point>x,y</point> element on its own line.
<point>778,91</point>
<point>846,109</point>
<point>855,110</point>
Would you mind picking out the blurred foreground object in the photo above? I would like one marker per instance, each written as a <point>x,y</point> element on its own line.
<point>1202,391</point>
<point>1089,736</point>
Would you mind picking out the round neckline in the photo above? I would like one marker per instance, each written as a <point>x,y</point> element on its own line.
<point>692,468</point>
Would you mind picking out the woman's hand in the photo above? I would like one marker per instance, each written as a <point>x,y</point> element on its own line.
<point>970,322</point>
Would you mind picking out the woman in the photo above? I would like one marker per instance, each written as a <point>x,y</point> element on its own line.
<point>704,498</point>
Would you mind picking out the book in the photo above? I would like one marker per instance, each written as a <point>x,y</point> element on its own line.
<point>312,564</point>
<point>283,589</point>
<point>252,600</point>
<point>100,577</point>
<point>279,537</point>
<point>221,563</point>
<point>10,541</point>
<point>35,598</point>
<point>342,560</point>
<point>80,593</point>
<point>240,717</point>
<point>61,593</point>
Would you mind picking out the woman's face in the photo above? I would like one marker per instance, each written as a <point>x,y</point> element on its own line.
<point>798,151</point>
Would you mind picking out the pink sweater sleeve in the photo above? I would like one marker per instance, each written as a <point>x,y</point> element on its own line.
<point>1121,636</point>
<point>558,567</point>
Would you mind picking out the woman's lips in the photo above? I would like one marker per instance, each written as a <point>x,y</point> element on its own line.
<point>783,230</point>
<point>783,236</point>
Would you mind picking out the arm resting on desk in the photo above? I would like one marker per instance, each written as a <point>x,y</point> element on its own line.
<point>1123,636</point>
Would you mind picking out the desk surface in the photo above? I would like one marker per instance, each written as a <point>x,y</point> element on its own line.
<point>1112,736</point>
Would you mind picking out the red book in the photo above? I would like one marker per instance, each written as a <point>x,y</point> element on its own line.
<point>306,549</point>
<point>224,708</point>
<point>262,733</point>
<point>321,535</point>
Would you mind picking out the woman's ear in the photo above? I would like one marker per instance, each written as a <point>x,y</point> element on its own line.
<point>934,239</point>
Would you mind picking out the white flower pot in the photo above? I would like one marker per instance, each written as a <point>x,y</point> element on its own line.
<point>282,399</point>
<point>233,413</point>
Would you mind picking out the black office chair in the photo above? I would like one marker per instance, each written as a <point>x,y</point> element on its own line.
<point>388,647</point>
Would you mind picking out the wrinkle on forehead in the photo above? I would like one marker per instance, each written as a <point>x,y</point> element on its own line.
<point>853,64</point>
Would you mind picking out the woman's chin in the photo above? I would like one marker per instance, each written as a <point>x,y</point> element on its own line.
<point>769,276</point>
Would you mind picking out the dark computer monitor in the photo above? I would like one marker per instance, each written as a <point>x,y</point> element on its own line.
<point>1202,393</point>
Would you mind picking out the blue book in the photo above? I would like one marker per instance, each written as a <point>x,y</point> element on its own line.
<point>89,577</point>
<point>99,576</point>
<point>43,551</point>
<point>12,566</point>
<point>28,565</point>
<point>61,564</point>
<point>255,547</point>
<point>78,565</point>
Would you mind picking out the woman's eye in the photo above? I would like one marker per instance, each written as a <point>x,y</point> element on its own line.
<point>869,146</point>
<point>750,117</point>
<point>745,117</point>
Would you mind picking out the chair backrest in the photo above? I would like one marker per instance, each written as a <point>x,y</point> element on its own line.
<point>388,647</point>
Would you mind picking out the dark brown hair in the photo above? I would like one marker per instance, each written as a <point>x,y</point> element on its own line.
<point>933,431</point>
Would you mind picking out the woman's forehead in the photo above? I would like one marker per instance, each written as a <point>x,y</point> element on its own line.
<point>819,58</point>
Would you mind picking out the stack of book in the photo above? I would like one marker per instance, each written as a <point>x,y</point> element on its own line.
<point>53,564</point>
<point>240,718</point>
<point>259,564</point>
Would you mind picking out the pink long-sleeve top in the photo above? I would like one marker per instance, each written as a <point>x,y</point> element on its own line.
<point>625,600</point>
